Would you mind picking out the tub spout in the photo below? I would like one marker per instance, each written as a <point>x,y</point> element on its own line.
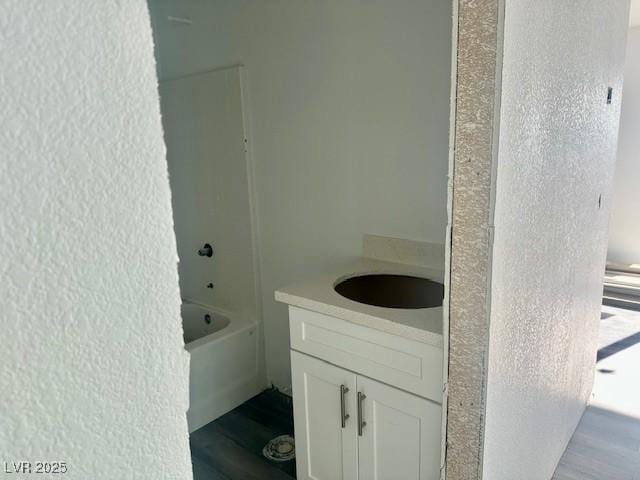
<point>206,251</point>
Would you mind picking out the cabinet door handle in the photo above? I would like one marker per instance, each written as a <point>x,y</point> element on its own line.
<point>343,414</point>
<point>361,422</point>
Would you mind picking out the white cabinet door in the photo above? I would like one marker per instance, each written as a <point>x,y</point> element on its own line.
<point>401,436</point>
<point>325,450</point>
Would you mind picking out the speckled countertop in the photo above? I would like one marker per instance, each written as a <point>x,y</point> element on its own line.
<point>316,293</point>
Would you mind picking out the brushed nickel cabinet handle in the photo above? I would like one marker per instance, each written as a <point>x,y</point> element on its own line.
<point>343,414</point>
<point>361,422</point>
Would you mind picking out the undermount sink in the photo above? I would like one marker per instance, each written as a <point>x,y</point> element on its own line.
<point>392,291</point>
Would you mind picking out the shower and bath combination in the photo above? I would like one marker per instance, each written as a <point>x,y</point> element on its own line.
<point>209,173</point>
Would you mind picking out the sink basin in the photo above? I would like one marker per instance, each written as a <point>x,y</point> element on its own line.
<point>392,291</point>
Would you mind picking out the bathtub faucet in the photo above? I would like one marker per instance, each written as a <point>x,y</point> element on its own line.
<point>206,251</point>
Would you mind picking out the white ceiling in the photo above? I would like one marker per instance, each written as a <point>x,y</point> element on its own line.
<point>634,19</point>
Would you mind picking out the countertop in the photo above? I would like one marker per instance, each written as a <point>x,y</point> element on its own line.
<point>316,293</point>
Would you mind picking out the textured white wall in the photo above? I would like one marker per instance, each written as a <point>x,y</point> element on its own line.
<point>556,157</point>
<point>348,103</point>
<point>624,229</point>
<point>92,367</point>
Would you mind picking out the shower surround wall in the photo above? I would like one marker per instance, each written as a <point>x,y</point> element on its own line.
<point>93,368</point>
<point>212,193</point>
<point>348,104</point>
<point>540,133</point>
<point>209,173</point>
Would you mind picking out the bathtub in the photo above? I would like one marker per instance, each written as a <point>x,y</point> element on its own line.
<point>224,362</point>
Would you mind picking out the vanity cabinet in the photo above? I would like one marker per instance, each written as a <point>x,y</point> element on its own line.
<point>400,439</point>
<point>350,427</point>
<point>324,414</point>
<point>364,402</point>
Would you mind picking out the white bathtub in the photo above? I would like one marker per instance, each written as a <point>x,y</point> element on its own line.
<point>224,362</point>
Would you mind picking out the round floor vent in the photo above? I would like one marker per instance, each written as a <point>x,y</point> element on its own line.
<point>280,449</point>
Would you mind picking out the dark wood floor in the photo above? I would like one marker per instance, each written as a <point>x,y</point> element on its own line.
<point>230,448</point>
